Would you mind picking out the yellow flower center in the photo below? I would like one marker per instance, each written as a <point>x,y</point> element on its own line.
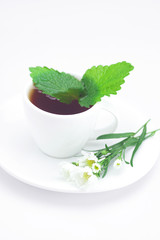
<point>90,162</point>
<point>86,176</point>
<point>96,167</point>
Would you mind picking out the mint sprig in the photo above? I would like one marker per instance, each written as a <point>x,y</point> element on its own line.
<point>95,83</point>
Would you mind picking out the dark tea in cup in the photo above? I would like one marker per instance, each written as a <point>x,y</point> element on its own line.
<point>52,105</point>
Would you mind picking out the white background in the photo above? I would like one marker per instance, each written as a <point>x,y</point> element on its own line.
<point>72,36</point>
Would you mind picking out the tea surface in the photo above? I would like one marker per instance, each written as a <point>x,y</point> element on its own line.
<point>52,105</point>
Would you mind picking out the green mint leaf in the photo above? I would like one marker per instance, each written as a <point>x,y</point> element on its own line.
<point>103,80</point>
<point>63,86</point>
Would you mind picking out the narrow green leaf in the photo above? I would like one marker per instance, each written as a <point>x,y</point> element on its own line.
<point>117,145</point>
<point>123,156</point>
<point>116,135</point>
<point>105,171</point>
<point>140,140</point>
<point>131,142</point>
<point>142,126</point>
<point>150,134</point>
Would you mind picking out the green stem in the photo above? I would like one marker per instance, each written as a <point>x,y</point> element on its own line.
<point>142,127</point>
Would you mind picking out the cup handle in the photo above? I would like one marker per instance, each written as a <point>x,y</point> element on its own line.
<point>106,120</point>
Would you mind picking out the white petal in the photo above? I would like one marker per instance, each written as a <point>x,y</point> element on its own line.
<point>66,169</point>
<point>91,156</point>
<point>82,162</point>
<point>87,170</point>
<point>77,176</point>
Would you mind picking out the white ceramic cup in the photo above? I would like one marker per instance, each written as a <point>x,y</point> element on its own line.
<point>63,136</point>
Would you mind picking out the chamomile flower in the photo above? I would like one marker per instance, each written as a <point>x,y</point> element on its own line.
<point>88,159</point>
<point>118,163</point>
<point>81,175</point>
<point>96,167</point>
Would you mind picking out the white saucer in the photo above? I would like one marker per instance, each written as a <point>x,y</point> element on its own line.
<point>20,157</point>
